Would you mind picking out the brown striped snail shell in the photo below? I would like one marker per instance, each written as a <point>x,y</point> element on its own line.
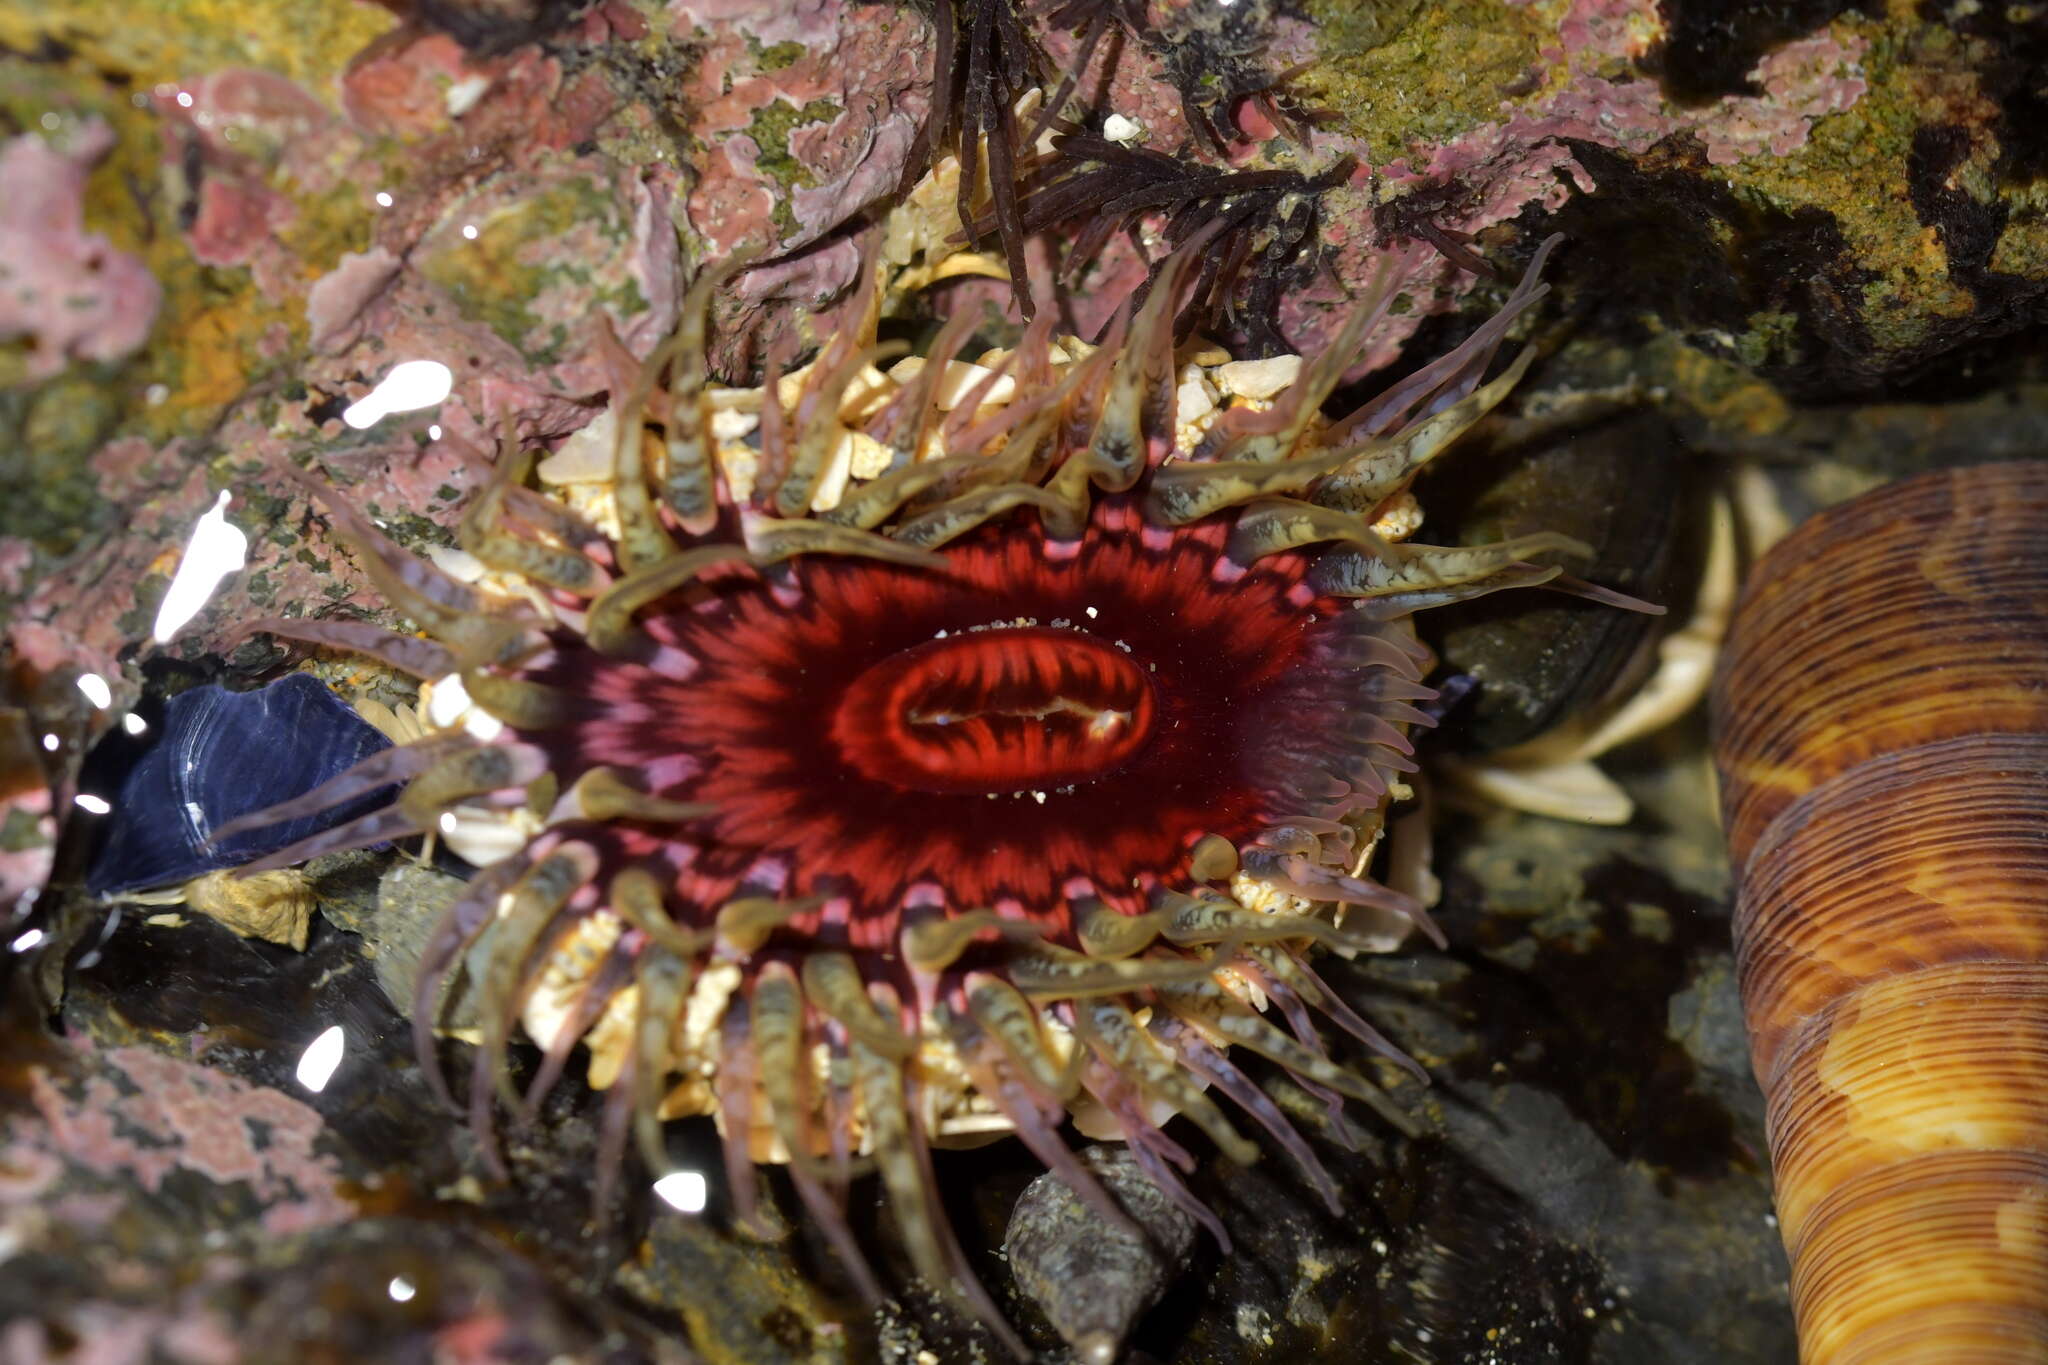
<point>1881,726</point>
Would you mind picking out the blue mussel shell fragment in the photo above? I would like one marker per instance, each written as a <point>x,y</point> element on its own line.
<point>223,754</point>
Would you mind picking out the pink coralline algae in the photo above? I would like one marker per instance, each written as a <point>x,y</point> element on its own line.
<point>117,1334</point>
<point>808,113</point>
<point>65,291</point>
<point>82,1181</point>
<point>227,137</point>
<point>1517,160</point>
<point>1133,82</point>
<point>1801,81</point>
<point>484,133</point>
<point>512,252</point>
<point>510,248</point>
<point>465,113</point>
<point>135,1116</point>
<point>336,303</point>
<point>81,620</point>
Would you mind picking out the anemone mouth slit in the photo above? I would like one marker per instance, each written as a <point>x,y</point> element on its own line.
<point>994,711</point>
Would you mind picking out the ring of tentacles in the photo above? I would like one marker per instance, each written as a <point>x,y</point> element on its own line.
<point>1014,786</point>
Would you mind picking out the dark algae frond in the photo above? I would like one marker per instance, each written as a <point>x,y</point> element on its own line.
<point>1265,244</point>
<point>985,62</point>
<point>1091,21</point>
<point>1212,51</point>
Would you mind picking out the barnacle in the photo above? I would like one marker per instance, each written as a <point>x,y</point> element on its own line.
<point>1261,224</point>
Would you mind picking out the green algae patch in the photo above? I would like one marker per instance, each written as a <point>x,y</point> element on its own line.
<point>140,619</point>
<point>49,492</point>
<point>488,278</point>
<point>21,831</point>
<point>2023,247</point>
<point>770,131</point>
<point>778,57</point>
<point>1772,340</point>
<point>157,41</point>
<point>527,248</point>
<point>411,530</point>
<point>1407,72</point>
<point>1913,298</point>
<point>1854,168</point>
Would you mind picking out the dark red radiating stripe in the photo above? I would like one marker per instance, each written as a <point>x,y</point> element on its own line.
<point>802,718</point>
<point>995,711</point>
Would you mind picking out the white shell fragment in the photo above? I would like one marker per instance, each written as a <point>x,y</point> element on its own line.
<point>1195,399</point>
<point>960,380</point>
<point>586,456</point>
<point>1117,128</point>
<point>1258,378</point>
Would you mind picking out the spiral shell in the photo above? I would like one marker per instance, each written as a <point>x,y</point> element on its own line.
<point>1881,724</point>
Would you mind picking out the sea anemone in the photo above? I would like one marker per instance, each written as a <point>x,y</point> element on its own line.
<point>937,766</point>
